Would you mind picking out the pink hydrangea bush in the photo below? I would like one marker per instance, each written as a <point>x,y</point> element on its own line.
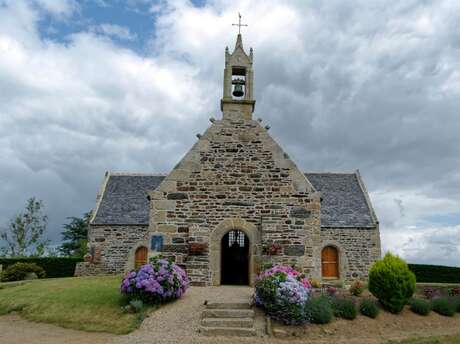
<point>283,292</point>
<point>156,282</point>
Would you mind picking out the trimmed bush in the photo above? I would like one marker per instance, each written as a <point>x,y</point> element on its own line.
<point>357,288</point>
<point>435,273</point>
<point>283,293</point>
<point>421,307</point>
<point>369,308</point>
<point>319,310</point>
<point>392,283</point>
<point>19,272</point>
<point>156,282</point>
<point>53,266</point>
<point>444,306</point>
<point>344,308</point>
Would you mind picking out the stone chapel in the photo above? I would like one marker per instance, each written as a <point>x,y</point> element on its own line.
<point>235,202</point>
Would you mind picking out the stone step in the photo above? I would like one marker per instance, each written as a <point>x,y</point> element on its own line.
<point>228,305</point>
<point>227,331</point>
<point>228,322</point>
<point>228,313</point>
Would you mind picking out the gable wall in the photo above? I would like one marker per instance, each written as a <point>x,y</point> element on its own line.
<point>236,171</point>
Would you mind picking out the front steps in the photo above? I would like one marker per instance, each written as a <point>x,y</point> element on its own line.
<point>228,319</point>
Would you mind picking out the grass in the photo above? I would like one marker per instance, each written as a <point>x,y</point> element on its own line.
<point>429,340</point>
<point>82,303</point>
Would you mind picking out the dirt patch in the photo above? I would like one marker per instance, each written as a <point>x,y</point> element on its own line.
<point>15,330</point>
<point>365,330</point>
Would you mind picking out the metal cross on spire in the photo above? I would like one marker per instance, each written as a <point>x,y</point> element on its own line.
<point>239,23</point>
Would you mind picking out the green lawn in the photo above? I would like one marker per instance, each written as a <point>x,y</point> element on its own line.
<point>84,303</point>
<point>430,340</point>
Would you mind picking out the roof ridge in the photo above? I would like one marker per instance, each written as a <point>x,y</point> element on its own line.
<point>137,174</point>
<point>349,173</point>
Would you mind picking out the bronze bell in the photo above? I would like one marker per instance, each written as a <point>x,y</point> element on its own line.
<point>238,90</point>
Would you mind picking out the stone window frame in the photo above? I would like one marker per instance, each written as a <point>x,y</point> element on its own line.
<point>215,251</point>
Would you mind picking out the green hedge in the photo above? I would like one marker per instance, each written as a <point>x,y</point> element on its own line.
<point>435,273</point>
<point>53,266</point>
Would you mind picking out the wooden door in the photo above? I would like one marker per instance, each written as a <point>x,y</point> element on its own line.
<point>330,262</point>
<point>140,257</point>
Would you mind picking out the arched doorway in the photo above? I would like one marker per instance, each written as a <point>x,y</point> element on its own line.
<point>140,257</point>
<point>330,262</point>
<point>235,258</point>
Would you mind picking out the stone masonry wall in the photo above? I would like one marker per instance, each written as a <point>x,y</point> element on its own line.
<point>113,247</point>
<point>358,250</point>
<point>236,171</point>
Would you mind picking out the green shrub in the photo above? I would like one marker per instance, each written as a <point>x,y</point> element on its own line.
<point>456,301</point>
<point>444,306</point>
<point>19,271</point>
<point>435,273</point>
<point>344,308</point>
<point>357,288</point>
<point>53,266</point>
<point>391,282</point>
<point>421,307</point>
<point>369,308</point>
<point>319,310</point>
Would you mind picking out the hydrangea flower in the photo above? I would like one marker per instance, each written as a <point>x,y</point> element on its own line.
<point>283,292</point>
<point>156,282</point>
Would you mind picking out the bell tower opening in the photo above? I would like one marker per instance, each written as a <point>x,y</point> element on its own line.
<point>238,82</point>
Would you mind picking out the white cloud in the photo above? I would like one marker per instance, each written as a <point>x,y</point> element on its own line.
<point>117,31</point>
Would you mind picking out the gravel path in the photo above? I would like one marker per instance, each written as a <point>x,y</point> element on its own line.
<point>178,322</point>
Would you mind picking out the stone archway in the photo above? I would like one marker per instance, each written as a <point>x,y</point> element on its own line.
<point>215,247</point>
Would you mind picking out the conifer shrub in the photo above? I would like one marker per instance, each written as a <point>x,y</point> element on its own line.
<point>444,306</point>
<point>392,283</point>
<point>19,271</point>
<point>421,307</point>
<point>369,308</point>
<point>319,310</point>
<point>344,308</point>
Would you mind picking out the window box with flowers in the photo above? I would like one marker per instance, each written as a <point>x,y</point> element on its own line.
<point>271,249</point>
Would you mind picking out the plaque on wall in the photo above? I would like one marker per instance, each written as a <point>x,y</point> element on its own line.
<point>156,243</point>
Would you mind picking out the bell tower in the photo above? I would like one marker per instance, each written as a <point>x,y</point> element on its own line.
<point>238,97</point>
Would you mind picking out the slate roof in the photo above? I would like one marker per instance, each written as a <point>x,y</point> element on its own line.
<point>124,200</point>
<point>344,201</point>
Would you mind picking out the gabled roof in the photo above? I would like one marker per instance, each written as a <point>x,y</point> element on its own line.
<point>345,204</point>
<point>123,199</point>
<point>344,200</point>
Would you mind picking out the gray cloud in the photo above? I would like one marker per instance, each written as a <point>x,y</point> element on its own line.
<point>344,85</point>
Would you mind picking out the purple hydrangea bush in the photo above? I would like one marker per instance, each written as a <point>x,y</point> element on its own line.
<point>283,293</point>
<point>156,282</point>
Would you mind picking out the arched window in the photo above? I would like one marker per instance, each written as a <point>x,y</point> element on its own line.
<point>140,257</point>
<point>330,262</point>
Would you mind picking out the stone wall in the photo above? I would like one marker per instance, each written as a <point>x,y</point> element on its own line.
<point>358,250</point>
<point>112,248</point>
<point>236,172</point>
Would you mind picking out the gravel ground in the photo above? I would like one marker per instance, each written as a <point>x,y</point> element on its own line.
<point>178,322</point>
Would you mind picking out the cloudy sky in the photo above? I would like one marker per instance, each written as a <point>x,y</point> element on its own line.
<point>89,86</point>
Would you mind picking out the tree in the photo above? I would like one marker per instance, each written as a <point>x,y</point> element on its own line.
<point>75,236</point>
<point>24,235</point>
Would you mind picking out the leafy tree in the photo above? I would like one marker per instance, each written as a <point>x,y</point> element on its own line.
<point>24,235</point>
<point>75,236</point>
